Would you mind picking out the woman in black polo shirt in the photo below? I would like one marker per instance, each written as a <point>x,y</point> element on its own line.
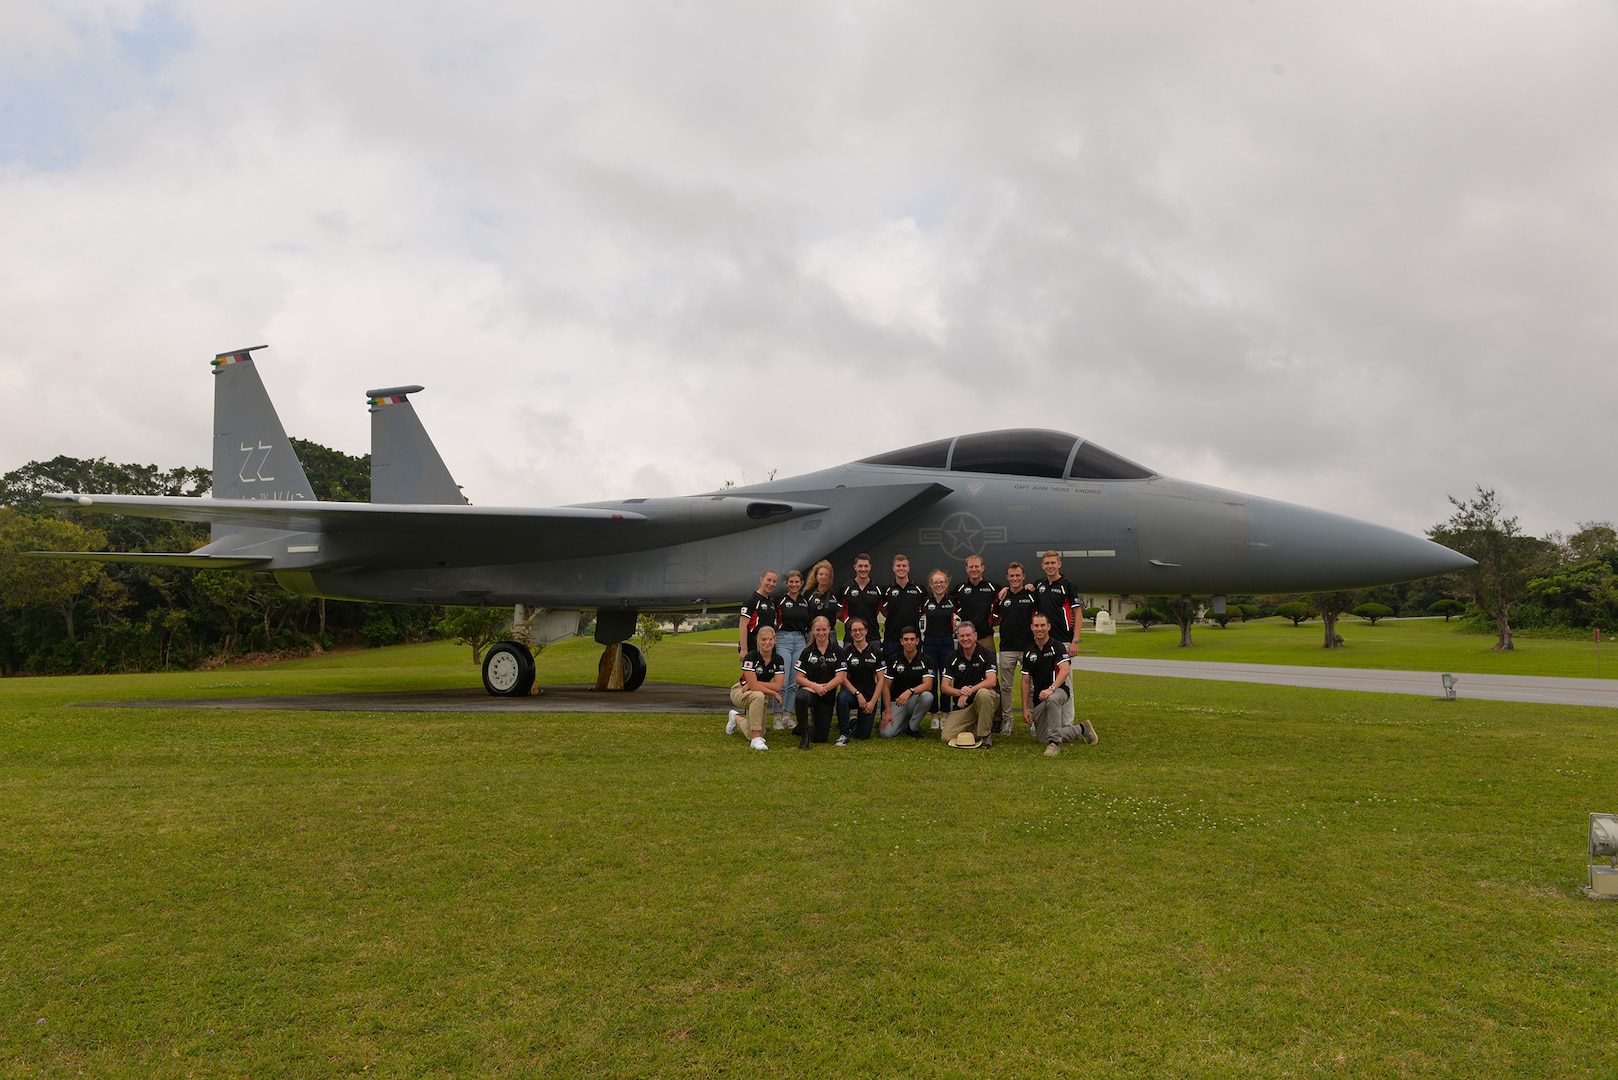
<point>820,675</point>
<point>759,685</point>
<point>791,634</point>
<point>858,700</point>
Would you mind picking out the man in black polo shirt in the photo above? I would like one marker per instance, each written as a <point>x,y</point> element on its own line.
<point>974,601</point>
<point>862,598</point>
<point>901,606</point>
<point>1047,692</point>
<point>1012,612</point>
<point>907,688</point>
<point>1059,600</point>
<point>969,678</point>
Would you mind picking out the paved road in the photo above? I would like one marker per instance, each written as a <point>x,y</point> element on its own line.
<point>1424,683</point>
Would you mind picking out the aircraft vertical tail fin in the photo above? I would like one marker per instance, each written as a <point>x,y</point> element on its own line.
<point>252,456</point>
<point>405,465</point>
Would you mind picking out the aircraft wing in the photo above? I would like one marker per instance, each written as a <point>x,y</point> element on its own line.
<point>158,558</point>
<point>382,534</point>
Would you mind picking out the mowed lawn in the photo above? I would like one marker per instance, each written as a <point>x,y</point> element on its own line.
<point>1395,644</point>
<point>1238,881</point>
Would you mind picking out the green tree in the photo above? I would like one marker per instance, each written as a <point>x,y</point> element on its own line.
<point>1506,559</point>
<point>1591,540</point>
<point>648,631</point>
<point>333,475</point>
<point>59,585</point>
<point>1146,615</point>
<point>1182,611</point>
<point>1329,605</point>
<point>1372,612</point>
<point>1447,608</point>
<point>1296,610</point>
<point>477,627</point>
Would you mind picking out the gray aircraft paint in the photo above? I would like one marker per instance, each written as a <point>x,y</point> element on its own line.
<point>1152,535</point>
<point>405,465</point>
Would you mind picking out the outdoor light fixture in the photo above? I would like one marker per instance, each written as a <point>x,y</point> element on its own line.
<point>1449,685</point>
<point>1603,845</point>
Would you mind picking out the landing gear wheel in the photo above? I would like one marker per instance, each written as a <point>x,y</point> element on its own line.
<point>634,666</point>
<point>508,670</point>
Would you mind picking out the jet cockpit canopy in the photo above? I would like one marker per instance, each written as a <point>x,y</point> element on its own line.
<point>1017,452</point>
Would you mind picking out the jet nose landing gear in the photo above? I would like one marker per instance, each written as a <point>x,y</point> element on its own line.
<point>622,667</point>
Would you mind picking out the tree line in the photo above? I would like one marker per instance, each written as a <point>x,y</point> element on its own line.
<point>60,617</point>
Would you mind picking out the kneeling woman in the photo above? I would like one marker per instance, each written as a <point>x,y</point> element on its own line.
<point>858,700</point>
<point>759,685</point>
<point>820,675</point>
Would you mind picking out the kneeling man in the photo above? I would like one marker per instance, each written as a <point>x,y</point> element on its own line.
<point>970,679</point>
<point>1047,692</point>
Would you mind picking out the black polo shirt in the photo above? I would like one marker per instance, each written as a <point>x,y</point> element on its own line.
<point>762,671</point>
<point>937,619</point>
<point>793,614</point>
<point>864,666</point>
<point>901,607</point>
<point>1040,664</point>
<point>905,674</point>
<point>759,610</point>
<point>1059,600</point>
<point>1014,612</point>
<point>818,666</point>
<point>963,671</point>
<point>975,604</point>
<point>828,604</point>
<point>864,603</point>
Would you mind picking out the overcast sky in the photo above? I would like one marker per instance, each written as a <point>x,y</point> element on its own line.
<point>1358,256</point>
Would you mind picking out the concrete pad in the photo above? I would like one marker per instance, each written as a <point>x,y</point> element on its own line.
<point>1535,688</point>
<point>652,697</point>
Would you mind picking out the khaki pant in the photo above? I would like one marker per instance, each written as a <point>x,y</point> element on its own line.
<point>1006,660</point>
<point>976,716</point>
<point>752,704</point>
<point>1053,719</point>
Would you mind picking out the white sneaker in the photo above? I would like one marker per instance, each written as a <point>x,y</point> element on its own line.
<point>730,725</point>
<point>842,740</point>
<point>938,725</point>
<point>758,743</point>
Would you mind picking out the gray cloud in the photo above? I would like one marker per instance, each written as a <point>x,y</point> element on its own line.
<point>1357,258</point>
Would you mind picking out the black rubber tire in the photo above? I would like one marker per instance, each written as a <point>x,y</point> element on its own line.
<point>634,666</point>
<point>508,670</point>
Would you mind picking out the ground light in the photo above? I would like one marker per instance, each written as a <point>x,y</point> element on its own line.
<point>1603,845</point>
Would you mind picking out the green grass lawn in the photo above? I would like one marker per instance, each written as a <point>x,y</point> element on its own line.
<point>1238,881</point>
<point>1396,644</point>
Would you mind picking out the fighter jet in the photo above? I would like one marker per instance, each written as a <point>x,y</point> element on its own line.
<point>1009,495</point>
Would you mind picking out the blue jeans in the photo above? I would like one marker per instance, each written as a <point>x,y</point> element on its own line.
<point>938,651</point>
<point>852,723</point>
<point>790,645</point>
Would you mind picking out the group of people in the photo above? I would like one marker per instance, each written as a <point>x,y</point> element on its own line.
<point>935,658</point>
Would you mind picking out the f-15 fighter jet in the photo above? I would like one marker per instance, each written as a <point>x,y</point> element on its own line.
<point>1004,495</point>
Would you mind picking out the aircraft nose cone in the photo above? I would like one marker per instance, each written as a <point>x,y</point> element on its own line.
<point>1296,549</point>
